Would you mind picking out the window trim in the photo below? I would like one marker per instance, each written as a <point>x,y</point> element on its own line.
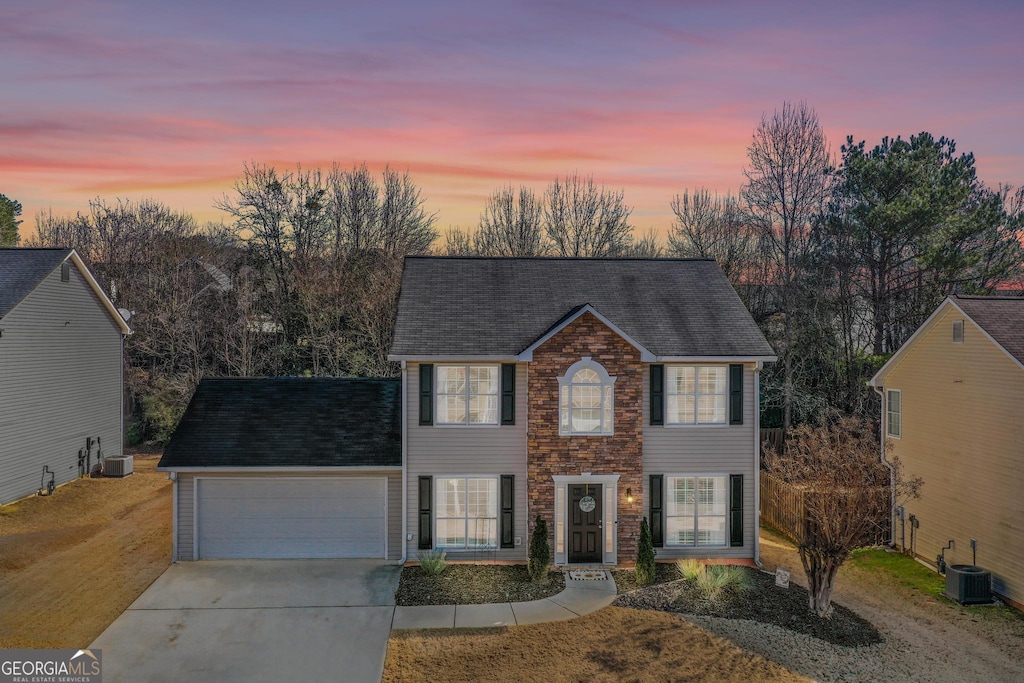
<point>437,517</point>
<point>468,394</point>
<point>696,515</point>
<point>696,396</point>
<point>607,385</point>
<point>889,412</point>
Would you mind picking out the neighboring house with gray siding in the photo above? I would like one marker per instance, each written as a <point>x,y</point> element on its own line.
<point>61,342</point>
<point>591,392</point>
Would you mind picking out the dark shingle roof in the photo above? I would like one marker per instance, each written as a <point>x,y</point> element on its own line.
<point>290,422</point>
<point>499,306</point>
<point>1000,316</point>
<point>21,271</point>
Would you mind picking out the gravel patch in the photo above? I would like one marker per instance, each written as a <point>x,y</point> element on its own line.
<point>764,602</point>
<point>469,584</point>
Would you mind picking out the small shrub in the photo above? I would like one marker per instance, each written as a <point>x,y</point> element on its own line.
<point>540,551</point>
<point>644,569</point>
<point>433,562</point>
<point>690,569</point>
<point>717,582</point>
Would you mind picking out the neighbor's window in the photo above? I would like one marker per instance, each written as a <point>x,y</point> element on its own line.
<point>894,413</point>
<point>696,395</point>
<point>467,394</point>
<point>586,399</point>
<point>695,513</point>
<point>958,331</point>
<point>467,513</point>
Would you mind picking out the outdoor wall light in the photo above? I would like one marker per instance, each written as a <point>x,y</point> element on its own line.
<point>629,495</point>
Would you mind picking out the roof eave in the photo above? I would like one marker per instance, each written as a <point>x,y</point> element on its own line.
<point>104,299</point>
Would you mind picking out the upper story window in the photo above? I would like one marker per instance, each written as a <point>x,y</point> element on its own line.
<point>894,413</point>
<point>958,331</point>
<point>696,394</point>
<point>467,394</point>
<point>586,399</point>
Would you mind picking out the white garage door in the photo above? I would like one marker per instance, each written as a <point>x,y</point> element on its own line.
<point>291,517</point>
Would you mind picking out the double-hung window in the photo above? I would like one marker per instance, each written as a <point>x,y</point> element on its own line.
<point>467,513</point>
<point>696,394</point>
<point>586,399</point>
<point>696,511</point>
<point>467,394</point>
<point>894,413</point>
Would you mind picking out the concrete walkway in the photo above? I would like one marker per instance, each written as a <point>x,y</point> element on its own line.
<point>581,596</point>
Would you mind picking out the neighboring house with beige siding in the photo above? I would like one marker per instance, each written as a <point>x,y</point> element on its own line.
<point>590,392</point>
<point>61,342</point>
<point>953,411</point>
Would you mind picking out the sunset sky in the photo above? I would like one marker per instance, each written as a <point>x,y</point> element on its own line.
<point>137,98</point>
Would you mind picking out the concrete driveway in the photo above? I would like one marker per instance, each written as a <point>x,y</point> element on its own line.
<point>256,620</point>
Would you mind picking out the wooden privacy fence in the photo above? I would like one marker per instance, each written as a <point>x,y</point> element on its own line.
<point>784,507</point>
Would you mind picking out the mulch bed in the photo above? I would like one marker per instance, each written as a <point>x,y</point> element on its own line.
<point>471,584</point>
<point>766,603</point>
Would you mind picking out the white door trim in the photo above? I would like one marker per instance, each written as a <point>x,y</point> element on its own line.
<point>609,511</point>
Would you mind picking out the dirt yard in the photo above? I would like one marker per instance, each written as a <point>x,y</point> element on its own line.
<point>72,562</point>
<point>614,644</point>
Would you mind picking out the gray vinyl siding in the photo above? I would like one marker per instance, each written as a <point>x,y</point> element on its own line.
<point>60,382</point>
<point>723,449</point>
<point>186,505</point>
<point>479,450</point>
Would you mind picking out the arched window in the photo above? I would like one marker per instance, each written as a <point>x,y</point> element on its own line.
<point>586,399</point>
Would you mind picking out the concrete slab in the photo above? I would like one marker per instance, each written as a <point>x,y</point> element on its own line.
<point>484,616</point>
<point>272,583</point>
<point>582,601</point>
<point>600,585</point>
<point>277,644</point>
<point>425,616</point>
<point>539,612</point>
<point>246,620</point>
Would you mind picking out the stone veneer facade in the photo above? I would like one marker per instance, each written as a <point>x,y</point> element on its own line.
<point>549,453</point>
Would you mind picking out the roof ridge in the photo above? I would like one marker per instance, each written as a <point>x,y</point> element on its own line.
<point>664,259</point>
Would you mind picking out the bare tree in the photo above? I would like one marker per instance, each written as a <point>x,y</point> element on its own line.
<point>709,226</point>
<point>648,246</point>
<point>788,170</point>
<point>458,242</point>
<point>512,224</point>
<point>582,219</point>
<point>846,488</point>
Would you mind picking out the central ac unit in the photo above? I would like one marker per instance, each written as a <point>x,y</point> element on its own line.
<point>968,585</point>
<point>118,466</point>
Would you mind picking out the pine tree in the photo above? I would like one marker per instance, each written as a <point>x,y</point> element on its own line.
<point>644,570</point>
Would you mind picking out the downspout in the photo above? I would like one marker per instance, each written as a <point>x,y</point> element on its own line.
<point>883,426</point>
<point>405,464</point>
<point>757,462</point>
<point>173,476</point>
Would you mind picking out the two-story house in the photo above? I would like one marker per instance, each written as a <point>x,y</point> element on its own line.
<point>61,344</point>
<point>591,392</point>
<point>951,412</point>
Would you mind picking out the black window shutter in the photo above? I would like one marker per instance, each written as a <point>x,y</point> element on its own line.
<point>508,539</point>
<point>736,509</point>
<point>508,393</point>
<point>657,394</point>
<point>426,518</point>
<point>426,394</point>
<point>736,394</point>
<point>657,516</point>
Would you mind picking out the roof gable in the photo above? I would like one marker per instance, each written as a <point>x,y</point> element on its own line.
<point>574,314</point>
<point>497,308</point>
<point>22,270</point>
<point>1006,319</point>
<point>289,422</point>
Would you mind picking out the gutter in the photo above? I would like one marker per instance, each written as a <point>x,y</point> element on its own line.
<point>405,463</point>
<point>757,463</point>
<point>173,476</point>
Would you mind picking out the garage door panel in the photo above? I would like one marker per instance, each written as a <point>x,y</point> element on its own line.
<point>291,517</point>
